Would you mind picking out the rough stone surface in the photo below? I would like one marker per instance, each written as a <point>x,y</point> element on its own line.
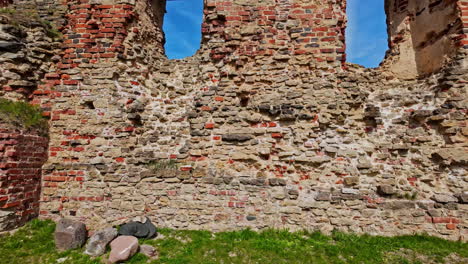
<point>97,243</point>
<point>266,120</point>
<point>123,248</point>
<point>69,234</point>
<point>149,251</point>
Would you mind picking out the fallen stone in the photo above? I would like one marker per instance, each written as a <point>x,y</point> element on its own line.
<point>149,251</point>
<point>123,248</point>
<point>69,234</point>
<point>10,46</point>
<point>97,244</point>
<point>138,229</point>
<point>134,229</point>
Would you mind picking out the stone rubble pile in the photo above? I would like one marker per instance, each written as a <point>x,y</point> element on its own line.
<point>124,244</point>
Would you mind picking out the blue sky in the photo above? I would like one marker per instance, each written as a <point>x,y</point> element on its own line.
<point>182,25</point>
<point>366,34</point>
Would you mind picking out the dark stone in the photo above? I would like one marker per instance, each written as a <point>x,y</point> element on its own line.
<point>236,137</point>
<point>463,197</point>
<point>6,46</point>
<point>135,229</point>
<point>372,111</point>
<point>138,229</point>
<point>151,227</point>
<point>385,189</point>
<point>451,206</point>
<point>69,234</point>
<point>293,194</point>
<point>251,218</point>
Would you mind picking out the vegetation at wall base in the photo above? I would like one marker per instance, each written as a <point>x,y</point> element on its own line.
<point>34,244</point>
<point>22,115</point>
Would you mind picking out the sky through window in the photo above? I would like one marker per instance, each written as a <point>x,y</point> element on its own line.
<point>366,34</point>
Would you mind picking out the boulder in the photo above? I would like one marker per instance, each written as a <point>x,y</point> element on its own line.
<point>123,248</point>
<point>98,242</point>
<point>140,227</point>
<point>69,234</point>
<point>136,229</point>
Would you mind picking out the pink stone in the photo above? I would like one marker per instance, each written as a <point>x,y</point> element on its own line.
<point>123,248</point>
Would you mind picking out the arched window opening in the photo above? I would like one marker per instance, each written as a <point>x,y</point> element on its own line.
<point>366,34</point>
<point>182,27</point>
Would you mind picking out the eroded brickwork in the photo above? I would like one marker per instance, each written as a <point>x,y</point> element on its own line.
<point>21,158</point>
<point>423,35</point>
<point>266,126</point>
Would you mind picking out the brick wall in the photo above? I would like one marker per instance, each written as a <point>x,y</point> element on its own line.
<point>463,6</point>
<point>276,28</point>
<point>21,158</point>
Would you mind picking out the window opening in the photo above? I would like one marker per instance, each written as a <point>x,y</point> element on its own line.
<point>182,27</point>
<point>366,34</point>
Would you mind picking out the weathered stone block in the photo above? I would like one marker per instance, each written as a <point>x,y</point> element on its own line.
<point>69,234</point>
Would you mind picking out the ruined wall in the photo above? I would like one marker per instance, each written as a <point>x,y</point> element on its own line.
<point>22,155</point>
<point>423,35</point>
<point>27,47</point>
<point>266,126</point>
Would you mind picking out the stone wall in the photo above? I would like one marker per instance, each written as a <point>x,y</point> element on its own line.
<point>266,126</point>
<point>22,155</point>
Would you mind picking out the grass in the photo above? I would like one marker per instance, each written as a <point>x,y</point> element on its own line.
<point>22,114</point>
<point>34,244</point>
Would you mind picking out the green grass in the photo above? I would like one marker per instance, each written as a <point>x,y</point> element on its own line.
<point>34,244</point>
<point>22,114</point>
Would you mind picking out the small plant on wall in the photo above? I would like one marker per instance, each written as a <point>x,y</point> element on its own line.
<point>163,168</point>
<point>22,115</point>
